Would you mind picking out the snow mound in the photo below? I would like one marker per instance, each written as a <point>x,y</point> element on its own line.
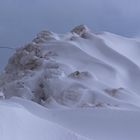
<point>24,119</point>
<point>17,123</point>
<point>79,69</point>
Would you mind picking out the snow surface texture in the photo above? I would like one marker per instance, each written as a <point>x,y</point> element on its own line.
<point>87,82</point>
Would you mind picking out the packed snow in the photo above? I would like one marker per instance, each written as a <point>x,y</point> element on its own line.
<point>75,86</point>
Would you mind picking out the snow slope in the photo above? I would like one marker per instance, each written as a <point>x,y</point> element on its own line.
<point>17,123</point>
<point>87,82</point>
<point>93,124</point>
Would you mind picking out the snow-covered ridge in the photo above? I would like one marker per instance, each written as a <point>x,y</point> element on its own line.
<point>76,86</point>
<point>79,69</point>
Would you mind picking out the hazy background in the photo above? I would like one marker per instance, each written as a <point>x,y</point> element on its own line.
<point>20,20</point>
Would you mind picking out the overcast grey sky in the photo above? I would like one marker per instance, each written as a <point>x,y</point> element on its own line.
<point>20,20</point>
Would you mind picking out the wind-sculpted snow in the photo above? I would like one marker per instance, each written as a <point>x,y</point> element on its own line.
<point>22,119</point>
<point>86,83</point>
<point>17,123</point>
<point>77,69</point>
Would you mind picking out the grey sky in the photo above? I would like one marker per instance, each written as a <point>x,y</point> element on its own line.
<point>20,20</point>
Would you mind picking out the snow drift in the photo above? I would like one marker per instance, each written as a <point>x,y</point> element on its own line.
<point>76,74</point>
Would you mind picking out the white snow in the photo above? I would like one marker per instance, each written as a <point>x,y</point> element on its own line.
<point>17,123</point>
<point>86,83</point>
